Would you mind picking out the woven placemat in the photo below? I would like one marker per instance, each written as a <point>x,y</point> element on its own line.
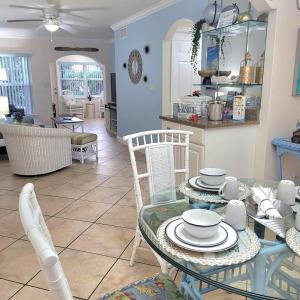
<point>293,240</point>
<point>247,247</point>
<point>209,197</point>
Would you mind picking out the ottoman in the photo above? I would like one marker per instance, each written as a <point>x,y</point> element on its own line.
<point>84,145</point>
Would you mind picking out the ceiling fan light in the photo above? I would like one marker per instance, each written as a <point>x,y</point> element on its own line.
<point>52,26</point>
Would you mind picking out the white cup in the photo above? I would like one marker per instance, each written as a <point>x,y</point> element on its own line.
<point>297,221</point>
<point>286,192</point>
<point>236,215</point>
<point>230,189</point>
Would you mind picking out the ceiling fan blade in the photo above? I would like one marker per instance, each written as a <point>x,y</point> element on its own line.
<point>72,15</point>
<point>69,10</point>
<point>26,20</point>
<point>76,23</point>
<point>68,28</point>
<point>26,7</point>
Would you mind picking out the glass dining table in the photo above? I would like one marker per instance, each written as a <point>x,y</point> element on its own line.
<point>274,273</point>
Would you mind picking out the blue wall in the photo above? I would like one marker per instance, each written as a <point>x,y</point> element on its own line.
<point>139,107</point>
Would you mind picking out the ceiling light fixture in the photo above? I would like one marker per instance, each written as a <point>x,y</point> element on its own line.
<point>52,25</point>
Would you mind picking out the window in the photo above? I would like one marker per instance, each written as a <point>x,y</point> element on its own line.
<point>82,79</point>
<point>17,85</point>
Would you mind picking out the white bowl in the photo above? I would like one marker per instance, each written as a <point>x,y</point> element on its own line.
<point>201,223</point>
<point>212,176</point>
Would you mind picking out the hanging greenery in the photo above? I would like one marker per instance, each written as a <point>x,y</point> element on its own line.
<point>220,45</point>
<point>196,36</point>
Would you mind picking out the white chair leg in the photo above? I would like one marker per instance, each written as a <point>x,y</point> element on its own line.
<point>81,155</point>
<point>96,150</point>
<point>136,244</point>
<point>163,264</point>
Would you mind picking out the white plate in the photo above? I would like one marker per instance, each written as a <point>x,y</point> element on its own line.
<point>202,184</point>
<point>231,241</point>
<point>219,238</point>
<point>193,183</point>
<point>298,192</point>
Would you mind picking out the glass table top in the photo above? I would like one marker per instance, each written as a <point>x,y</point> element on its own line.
<point>274,273</point>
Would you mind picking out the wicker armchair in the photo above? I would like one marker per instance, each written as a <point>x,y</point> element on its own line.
<point>35,150</point>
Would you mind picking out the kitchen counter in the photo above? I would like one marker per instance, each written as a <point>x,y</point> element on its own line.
<point>206,124</point>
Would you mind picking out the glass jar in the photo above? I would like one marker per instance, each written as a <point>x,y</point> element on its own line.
<point>259,72</point>
<point>247,70</point>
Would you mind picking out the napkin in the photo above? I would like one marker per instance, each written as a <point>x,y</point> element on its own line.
<point>264,197</point>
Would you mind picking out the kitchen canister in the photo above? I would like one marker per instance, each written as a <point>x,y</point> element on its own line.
<point>247,70</point>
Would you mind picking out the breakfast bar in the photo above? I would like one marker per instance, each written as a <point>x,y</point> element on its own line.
<point>227,144</point>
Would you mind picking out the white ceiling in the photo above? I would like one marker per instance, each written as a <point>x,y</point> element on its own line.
<point>98,21</point>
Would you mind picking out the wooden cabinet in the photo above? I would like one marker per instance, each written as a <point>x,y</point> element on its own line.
<point>230,148</point>
<point>196,155</point>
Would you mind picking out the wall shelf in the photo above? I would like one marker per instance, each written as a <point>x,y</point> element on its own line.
<point>238,28</point>
<point>228,85</point>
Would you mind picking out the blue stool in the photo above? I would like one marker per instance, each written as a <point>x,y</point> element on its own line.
<point>285,146</point>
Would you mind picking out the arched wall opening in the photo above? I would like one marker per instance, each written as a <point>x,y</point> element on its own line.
<point>77,59</point>
<point>167,63</point>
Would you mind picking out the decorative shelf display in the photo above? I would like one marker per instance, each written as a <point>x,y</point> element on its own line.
<point>237,50</point>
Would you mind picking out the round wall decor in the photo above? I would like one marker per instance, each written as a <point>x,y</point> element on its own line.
<point>135,66</point>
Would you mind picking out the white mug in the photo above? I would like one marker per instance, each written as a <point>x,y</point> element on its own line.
<point>286,192</point>
<point>236,215</point>
<point>230,189</point>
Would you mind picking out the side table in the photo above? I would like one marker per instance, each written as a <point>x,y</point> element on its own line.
<point>285,146</point>
<point>90,111</point>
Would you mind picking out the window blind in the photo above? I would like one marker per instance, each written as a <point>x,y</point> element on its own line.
<point>82,79</point>
<point>17,87</point>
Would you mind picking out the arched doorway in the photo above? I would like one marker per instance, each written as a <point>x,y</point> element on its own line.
<point>81,76</point>
<point>179,27</point>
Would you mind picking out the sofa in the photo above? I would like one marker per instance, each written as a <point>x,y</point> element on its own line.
<point>34,150</point>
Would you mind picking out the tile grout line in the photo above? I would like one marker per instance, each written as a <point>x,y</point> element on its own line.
<point>119,156</point>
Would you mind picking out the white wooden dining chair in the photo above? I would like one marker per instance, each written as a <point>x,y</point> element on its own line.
<point>161,170</point>
<point>37,232</point>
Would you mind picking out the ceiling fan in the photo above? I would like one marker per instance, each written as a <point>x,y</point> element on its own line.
<point>54,17</point>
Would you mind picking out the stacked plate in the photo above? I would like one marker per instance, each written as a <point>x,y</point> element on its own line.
<point>210,179</point>
<point>201,231</point>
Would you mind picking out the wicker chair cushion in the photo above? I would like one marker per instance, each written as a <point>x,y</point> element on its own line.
<point>83,138</point>
<point>159,287</point>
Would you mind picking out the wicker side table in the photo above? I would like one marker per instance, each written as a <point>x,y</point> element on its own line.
<point>90,111</point>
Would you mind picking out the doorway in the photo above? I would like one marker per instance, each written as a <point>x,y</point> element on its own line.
<point>81,79</point>
<point>178,74</point>
<point>183,77</point>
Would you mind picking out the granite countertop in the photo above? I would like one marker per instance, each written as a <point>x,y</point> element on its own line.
<point>206,124</point>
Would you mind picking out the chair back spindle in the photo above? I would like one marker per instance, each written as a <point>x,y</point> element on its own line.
<point>37,232</point>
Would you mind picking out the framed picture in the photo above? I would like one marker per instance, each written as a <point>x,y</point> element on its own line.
<point>296,85</point>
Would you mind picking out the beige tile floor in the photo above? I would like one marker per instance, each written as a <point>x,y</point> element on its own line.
<point>90,212</point>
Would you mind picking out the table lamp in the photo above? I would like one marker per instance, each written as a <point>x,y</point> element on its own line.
<point>4,107</point>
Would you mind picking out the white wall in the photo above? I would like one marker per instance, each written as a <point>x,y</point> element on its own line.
<point>42,54</point>
<point>280,110</point>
